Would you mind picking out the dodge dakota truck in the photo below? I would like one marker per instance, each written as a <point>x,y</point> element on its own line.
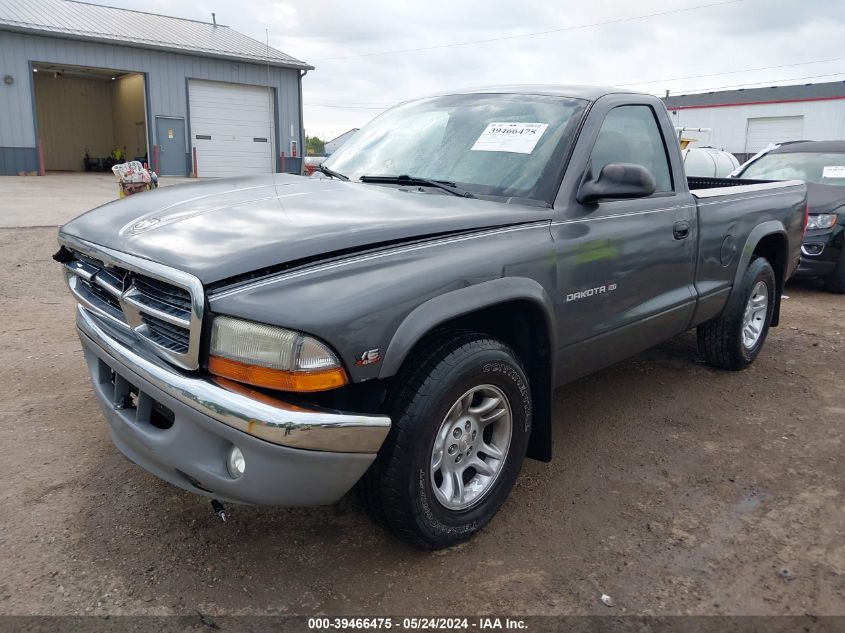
<point>397,322</point>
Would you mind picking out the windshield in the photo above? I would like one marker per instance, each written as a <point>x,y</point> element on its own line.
<point>488,144</point>
<point>821,168</point>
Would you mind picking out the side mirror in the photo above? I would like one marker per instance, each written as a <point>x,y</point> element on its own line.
<point>617,181</point>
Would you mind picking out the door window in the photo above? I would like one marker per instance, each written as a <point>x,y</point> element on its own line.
<point>629,134</point>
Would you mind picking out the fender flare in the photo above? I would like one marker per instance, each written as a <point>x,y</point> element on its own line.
<point>456,303</point>
<point>771,227</point>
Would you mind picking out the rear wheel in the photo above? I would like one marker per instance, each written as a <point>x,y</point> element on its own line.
<point>461,422</point>
<point>734,339</point>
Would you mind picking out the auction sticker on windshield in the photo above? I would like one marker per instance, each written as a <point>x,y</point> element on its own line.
<point>519,138</point>
<point>830,171</point>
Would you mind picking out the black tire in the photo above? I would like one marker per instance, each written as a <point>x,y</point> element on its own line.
<point>835,281</point>
<point>397,490</point>
<point>720,340</point>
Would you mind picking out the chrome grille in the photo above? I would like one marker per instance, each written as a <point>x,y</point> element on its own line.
<point>101,295</point>
<point>162,306</point>
<point>163,295</point>
<point>172,337</point>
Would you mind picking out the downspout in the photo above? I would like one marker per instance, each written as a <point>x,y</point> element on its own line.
<point>303,151</point>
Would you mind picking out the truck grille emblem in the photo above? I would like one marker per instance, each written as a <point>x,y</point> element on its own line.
<point>143,225</point>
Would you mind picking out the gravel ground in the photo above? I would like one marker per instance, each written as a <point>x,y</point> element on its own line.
<point>676,489</point>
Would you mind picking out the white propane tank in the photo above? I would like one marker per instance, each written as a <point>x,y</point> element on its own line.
<point>708,162</point>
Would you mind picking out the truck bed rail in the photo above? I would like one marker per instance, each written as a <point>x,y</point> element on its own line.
<point>703,182</point>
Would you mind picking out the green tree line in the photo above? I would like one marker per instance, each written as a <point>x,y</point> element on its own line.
<point>314,145</point>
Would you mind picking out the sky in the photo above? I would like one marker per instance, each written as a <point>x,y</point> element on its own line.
<point>365,58</point>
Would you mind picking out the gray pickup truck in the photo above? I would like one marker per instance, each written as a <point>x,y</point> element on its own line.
<point>399,320</point>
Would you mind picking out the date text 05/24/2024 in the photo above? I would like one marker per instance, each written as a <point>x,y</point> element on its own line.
<point>415,624</point>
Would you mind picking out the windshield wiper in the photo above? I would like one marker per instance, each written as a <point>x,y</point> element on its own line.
<point>405,179</point>
<point>331,172</point>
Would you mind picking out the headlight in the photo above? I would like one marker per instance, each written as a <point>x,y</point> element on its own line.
<point>821,221</point>
<point>273,357</point>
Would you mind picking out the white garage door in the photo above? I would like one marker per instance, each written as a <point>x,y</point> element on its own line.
<point>231,128</point>
<point>774,129</point>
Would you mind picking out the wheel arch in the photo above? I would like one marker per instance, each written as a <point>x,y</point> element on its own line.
<point>515,310</point>
<point>768,240</point>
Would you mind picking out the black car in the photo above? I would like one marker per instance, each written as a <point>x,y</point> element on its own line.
<point>821,164</point>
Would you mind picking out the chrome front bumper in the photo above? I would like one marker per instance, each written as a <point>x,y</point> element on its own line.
<point>266,418</point>
<point>294,456</point>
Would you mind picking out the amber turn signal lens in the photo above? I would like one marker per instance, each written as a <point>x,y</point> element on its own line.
<point>318,380</point>
<point>254,394</point>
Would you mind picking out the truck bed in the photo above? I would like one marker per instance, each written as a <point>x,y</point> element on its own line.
<point>729,210</point>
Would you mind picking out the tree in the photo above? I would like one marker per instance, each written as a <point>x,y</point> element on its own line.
<point>314,145</point>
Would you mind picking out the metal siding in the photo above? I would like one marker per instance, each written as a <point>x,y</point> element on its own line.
<point>18,159</point>
<point>17,122</point>
<point>167,82</point>
<point>823,121</point>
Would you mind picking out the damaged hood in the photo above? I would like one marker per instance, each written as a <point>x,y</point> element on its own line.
<point>224,228</point>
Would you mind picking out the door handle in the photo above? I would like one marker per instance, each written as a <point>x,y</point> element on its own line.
<point>680,230</point>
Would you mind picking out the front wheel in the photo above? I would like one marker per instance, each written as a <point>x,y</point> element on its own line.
<point>461,422</point>
<point>734,339</point>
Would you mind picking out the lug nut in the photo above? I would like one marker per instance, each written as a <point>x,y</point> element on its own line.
<point>456,433</point>
<point>467,425</point>
<point>458,458</point>
<point>474,433</point>
<point>452,449</point>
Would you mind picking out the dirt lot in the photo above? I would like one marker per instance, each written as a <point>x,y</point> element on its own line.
<point>59,196</point>
<point>676,489</point>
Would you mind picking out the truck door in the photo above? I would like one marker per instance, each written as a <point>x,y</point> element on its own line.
<point>625,268</point>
